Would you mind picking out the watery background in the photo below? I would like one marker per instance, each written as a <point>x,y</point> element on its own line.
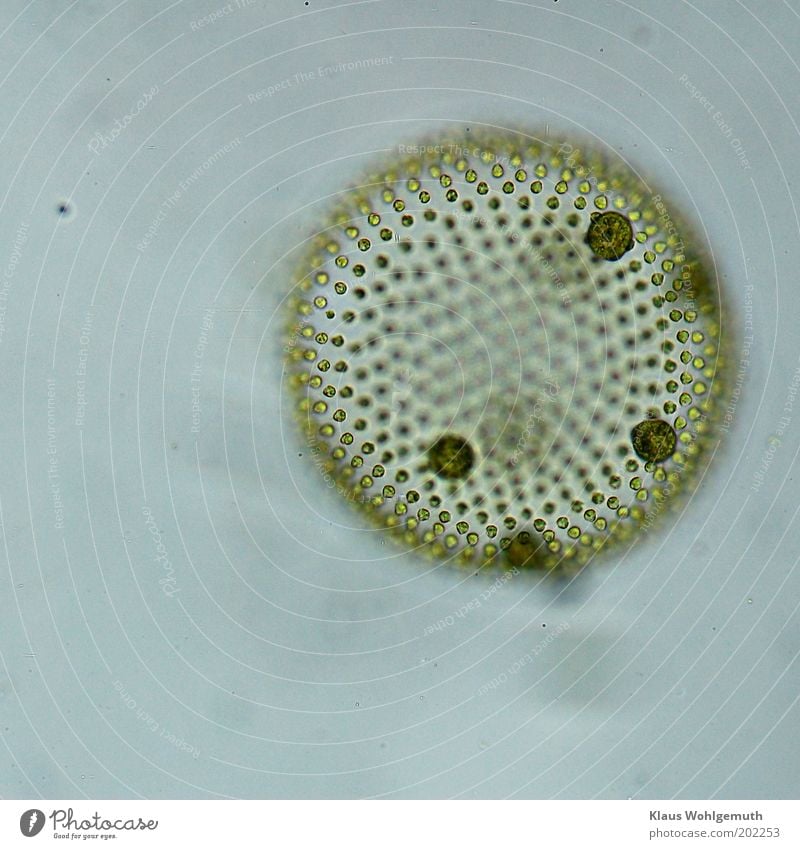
<point>187,611</point>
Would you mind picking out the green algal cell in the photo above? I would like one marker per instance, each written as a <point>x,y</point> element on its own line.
<point>610,235</point>
<point>654,440</point>
<point>451,457</point>
<point>523,343</point>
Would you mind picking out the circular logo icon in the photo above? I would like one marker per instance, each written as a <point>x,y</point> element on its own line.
<point>31,822</point>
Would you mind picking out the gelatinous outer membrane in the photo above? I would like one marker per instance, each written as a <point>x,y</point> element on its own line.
<point>507,351</point>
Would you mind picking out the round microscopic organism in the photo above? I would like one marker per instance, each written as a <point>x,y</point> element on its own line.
<point>610,235</point>
<point>654,440</point>
<point>507,350</point>
<point>451,457</point>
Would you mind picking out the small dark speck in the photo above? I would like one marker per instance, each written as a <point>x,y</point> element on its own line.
<point>299,455</point>
<point>65,209</point>
<point>544,624</point>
